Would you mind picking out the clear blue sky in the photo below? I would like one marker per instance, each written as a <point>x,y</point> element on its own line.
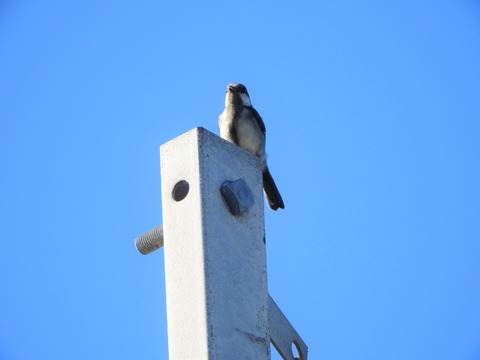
<point>372,111</point>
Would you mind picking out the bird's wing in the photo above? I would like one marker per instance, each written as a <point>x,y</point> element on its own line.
<point>259,120</point>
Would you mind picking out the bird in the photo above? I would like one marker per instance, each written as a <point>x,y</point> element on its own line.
<point>241,124</point>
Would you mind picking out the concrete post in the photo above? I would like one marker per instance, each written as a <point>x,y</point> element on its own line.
<point>215,262</point>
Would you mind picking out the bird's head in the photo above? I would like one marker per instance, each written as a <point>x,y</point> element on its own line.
<point>237,93</point>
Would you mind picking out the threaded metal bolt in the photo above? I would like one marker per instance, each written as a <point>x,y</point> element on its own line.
<point>150,241</point>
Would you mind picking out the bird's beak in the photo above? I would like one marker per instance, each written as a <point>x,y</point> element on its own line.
<point>231,88</point>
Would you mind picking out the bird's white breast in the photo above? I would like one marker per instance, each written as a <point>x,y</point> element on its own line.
<point>224,126</point>
<point>249,135</point>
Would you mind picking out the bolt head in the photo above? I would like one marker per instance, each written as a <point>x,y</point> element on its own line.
<point>237,196</point>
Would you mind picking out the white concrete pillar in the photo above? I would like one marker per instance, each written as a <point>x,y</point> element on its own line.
<point>215,263</point>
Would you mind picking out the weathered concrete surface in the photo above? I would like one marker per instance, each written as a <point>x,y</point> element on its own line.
<point>215,263</point>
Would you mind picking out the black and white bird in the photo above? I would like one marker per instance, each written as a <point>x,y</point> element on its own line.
<point>241,124</point>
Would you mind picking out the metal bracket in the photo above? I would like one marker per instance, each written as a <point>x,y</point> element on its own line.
<point>283,336</point>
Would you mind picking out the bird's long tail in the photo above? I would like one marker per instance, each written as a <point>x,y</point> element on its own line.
<point>274,199</point>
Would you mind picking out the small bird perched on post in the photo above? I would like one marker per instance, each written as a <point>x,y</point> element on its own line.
<point>241,124</point>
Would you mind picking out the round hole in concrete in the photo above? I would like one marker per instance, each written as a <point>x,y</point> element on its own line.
<point>296,351</point>
<point>180,190</point>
